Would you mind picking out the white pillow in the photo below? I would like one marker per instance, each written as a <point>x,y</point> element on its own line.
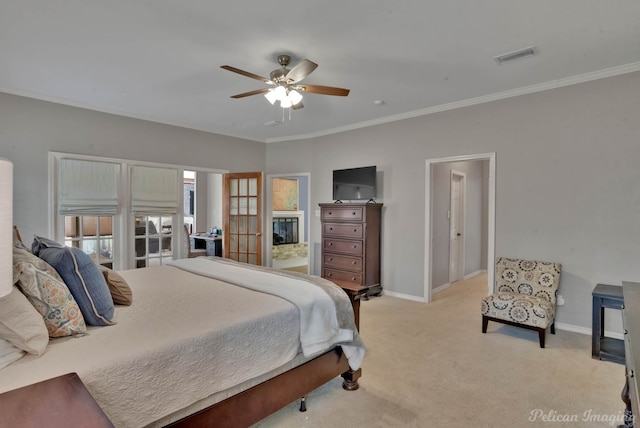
<point>21,324</point>
<point>9,353</point>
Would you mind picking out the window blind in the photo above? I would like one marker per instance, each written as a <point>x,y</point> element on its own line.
<point>154,190</point>
<point>87,187</point>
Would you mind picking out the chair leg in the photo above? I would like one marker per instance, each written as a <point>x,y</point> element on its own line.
<point>485,322</point>
<point>541,337</point>
<point>553,327</point>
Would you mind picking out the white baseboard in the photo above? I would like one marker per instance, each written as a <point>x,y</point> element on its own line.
<point>585,330</point>
<point>472,274</point>
<point>403,296</point>
<point>441,288</point>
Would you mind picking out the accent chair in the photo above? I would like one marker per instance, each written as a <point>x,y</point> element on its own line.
<point>525,295</point>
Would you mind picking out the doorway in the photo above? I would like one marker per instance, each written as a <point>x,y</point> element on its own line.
<point>280,251</point>
<point>432,253</point>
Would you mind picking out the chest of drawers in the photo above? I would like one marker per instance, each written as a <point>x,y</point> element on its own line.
<point>351,243</point>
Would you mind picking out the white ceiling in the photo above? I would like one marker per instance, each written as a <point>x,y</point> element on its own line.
<point>160,59</point>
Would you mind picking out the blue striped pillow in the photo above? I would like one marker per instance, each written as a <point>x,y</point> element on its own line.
<point>82,276</point>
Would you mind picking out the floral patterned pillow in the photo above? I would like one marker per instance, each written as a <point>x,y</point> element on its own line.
<point>48,294</point>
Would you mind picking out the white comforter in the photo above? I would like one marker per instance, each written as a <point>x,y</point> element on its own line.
<point>319,329</point>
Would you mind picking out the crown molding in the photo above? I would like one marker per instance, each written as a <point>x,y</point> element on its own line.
<point>559,83</point>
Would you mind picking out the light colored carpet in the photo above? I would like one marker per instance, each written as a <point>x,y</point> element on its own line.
<point>429,365</point>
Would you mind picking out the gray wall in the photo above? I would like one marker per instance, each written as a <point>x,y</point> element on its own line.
<point>568,181</point>
<point>475,230</point>
<point>567,173</point>
<point>29,129</point>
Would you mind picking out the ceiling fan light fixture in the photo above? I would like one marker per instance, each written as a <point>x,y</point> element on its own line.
<point>281,92</point>
<point>271,96</point>
<point>284,84</point>
<point>286,102</point>
<point>295,96</point>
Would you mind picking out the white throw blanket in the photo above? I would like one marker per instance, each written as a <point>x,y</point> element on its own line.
<point>319,329</point>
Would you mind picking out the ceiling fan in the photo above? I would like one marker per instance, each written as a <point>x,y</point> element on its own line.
<point>284,82</point>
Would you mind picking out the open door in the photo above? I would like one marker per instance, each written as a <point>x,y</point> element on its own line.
<point>242,214</point>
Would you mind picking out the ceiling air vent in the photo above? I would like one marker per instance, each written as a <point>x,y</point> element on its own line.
<point>512,56</point>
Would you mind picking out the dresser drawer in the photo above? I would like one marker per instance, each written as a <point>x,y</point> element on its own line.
<point>342,213</point>
<point>342,276</point>
<point>353,264</point>
<point>345,247</point>
<point>345,230</point>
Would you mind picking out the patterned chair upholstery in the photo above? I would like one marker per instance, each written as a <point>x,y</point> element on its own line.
<point>525,295</point>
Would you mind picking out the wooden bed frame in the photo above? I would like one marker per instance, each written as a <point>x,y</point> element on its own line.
<point>254,404</point>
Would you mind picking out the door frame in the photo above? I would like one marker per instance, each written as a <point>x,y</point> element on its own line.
<point>462,226</point>
<point>268,226</point>
<point>491,217</point>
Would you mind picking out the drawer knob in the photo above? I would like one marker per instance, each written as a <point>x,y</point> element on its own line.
<point>355,246</point>
<point>353,278</point>
<point>331,228</point>
<point>330,244</point>
<point>630,373</point>
<point>330,274</point>
<point>330,213</point>
<point>353,262</point>
<point>330,259</point>
<point>354,213</point>
<point>355,230</point>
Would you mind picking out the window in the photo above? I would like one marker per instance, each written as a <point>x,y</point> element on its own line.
<point>124,214</point>
<point>153,240</point>
<point>93,235</point>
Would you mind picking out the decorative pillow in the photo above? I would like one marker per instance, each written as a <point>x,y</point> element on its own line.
<point>118,287</point>
<point>17,240</point>
<point>82,276</point>
<point>21,324</point>
<point>48,294</point>
<point>8,353</point>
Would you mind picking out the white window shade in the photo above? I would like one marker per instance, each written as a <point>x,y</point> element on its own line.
<point>154,190</point>
<point>87,187</point>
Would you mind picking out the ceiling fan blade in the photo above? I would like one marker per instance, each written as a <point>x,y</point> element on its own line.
<point>297,106</point>
<point>244,73</point>
<point>324,90</point>
<point>300,71</point>
<point>248,94</point>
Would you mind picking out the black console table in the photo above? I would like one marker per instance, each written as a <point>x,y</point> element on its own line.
<point>602,347</point>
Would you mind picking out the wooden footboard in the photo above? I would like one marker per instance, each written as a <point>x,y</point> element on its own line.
<point>256,403</point>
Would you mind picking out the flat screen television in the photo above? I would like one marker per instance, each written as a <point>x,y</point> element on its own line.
<point>354,184</point>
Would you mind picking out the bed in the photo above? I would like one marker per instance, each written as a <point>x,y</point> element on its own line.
<point>207,341</point>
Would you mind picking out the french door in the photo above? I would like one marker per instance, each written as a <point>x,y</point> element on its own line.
<point>242,230</point>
